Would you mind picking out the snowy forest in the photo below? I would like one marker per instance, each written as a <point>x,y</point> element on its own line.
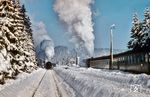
<point>17,52</point>
<point>140,32</point>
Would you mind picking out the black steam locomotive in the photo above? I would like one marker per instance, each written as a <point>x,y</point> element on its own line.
<point>49,65</point>
<point>138,62</point>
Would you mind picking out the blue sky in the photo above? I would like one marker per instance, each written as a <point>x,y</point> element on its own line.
<point>108,12</point>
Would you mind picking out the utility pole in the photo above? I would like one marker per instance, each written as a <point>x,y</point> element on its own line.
<point>77,63</point>
<point>111,46</point>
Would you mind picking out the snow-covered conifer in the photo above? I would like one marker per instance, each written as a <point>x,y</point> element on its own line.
<point>140,33</point>
<point>15,54</point>
<point>136,33</point>
<point>29,37</point>
<point>146,30</point>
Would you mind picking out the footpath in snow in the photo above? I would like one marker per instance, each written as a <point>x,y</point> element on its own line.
<point>104,83</point>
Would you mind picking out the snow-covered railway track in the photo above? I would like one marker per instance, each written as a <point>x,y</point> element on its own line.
<point>41,84</point>
<point>50,87</point>
<point>38,85</point>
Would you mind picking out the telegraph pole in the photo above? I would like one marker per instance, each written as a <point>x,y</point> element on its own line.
<point>111,46</point>
<point>76,58</point>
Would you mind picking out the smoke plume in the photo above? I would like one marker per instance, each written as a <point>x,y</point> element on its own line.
<point>43,43</point>
<point>77,15</point>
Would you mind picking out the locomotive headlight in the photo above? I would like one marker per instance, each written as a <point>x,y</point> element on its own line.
<point>141,65</point>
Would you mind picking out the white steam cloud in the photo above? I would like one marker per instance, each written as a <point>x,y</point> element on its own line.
<point>77,15</point>
<point>43,43</point>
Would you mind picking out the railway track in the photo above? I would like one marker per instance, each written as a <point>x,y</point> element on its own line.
<point>38,85</point>
<point>50,87</point>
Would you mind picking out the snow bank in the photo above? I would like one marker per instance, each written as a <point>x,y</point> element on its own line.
<point>122,77</point>
<point>22,76</point>
<point>103,83</point>
<point>24,87</point>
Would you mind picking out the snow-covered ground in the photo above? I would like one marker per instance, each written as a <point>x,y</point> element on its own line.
<point>23,86</point>
<point>41,83</point>
<point>104,83</point>
<point>77,82</point>
<point>19,78</point>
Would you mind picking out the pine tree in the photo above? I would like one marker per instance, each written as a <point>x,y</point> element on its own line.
<point>20,65</point>
<point>146,30</point>
<point>140,33</point>
<point>29,44</point>
<point>136,34</point>
<point>26,38</point>
<point>8,40</point>
<point>16,45</point>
